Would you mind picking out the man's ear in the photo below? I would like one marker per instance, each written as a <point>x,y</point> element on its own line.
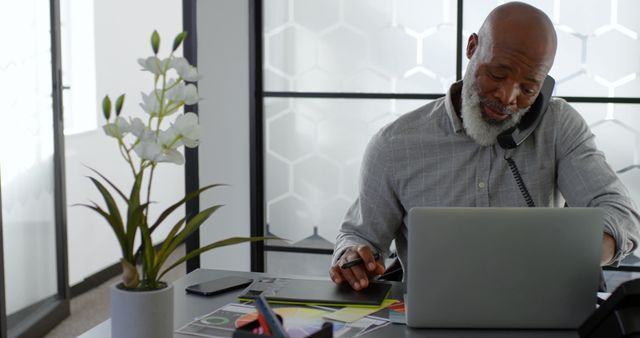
<point>472,44</point>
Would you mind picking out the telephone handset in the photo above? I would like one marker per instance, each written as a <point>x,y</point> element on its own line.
<point>513,137</point>
<point>618,316</point>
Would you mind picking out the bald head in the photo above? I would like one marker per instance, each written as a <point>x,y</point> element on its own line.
<point>509,59</point>
<point>521,28</point>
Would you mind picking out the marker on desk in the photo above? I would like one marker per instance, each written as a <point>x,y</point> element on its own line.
<point>264,327</point>
<point>357,261</point>
<point>272,321</point>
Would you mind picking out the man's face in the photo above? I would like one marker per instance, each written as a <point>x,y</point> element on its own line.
<point>483,118</point>
<point>498,89</point>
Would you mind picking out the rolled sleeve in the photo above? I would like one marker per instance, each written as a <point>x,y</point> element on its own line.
<point>586,180</point>
<point>376,215</point>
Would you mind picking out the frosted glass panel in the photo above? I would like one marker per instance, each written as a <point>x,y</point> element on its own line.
<point>314,146</point>
<point>314,149</point>
<point>78,66</point>
<point>617,130</point>
<point>26,157</point>
<point>359,45</point>
<point>288,263</point>
<point>598,46</point>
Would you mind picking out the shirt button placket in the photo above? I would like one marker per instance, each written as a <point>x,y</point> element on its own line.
<point>482,177</point>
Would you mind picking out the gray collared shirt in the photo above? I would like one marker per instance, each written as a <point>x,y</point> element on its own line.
<point>424,158</point>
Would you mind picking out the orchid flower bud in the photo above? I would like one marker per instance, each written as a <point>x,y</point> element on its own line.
<point>106,107</point>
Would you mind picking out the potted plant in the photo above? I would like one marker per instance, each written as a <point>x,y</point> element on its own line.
<point>142,304</point>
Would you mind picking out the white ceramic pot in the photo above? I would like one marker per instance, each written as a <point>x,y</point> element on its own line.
<point>141,314</point>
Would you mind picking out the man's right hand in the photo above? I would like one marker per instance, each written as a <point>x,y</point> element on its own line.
<point>358,275</point>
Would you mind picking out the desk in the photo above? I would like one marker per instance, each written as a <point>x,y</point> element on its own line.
<point>188,306</point>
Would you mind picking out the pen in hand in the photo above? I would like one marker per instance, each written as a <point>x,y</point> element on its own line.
<point>357,261</point>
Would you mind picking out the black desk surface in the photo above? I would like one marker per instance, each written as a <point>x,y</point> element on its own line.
<point>187,307</point>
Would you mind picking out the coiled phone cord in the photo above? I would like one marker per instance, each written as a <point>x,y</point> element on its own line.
<point>520,182</point>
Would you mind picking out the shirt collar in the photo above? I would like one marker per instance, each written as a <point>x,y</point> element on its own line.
<point>456,122</point>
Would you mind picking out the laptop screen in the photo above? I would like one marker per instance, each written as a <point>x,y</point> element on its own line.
<point>502,267</point>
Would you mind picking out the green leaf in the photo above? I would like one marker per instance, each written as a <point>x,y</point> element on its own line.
<point>118,231</point>
<point>110,184</point>
<point>169,239</point>
<point>119,103</point>
<point>155,42</point>
<point>178,40</point>
<point>135,214</point>
<point>115,217</point>
<point>193,224</point>
<point>139,217</point>
<point>114,211</point>
<point>148,252</point>
<point>106,107</point>
<point>218,244</point>
<point>164,251</point>
<point>186,198</point>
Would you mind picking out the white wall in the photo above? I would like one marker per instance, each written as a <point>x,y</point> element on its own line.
<point>223,61</point>
<point>122,31</point>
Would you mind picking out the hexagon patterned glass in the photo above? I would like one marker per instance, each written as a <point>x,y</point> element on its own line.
<point>360,45</point>
<point>598,47</point>
<point>312,160</point>
<point>314,146</point>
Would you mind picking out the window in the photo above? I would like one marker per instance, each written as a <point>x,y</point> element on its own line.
<point>34,294</point>
<point>336,71</point>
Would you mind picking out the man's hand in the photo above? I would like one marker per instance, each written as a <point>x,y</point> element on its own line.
<point>358,275</point>
<point>608,249</point>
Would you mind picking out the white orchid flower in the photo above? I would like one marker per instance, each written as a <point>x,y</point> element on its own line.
<point>150,103</point>
<point>183,93</point>
<point>171,109</point>
<point>167,139</point>
<point>191,94</point>
<point>152,151</point>
<point>119,128</point>
<point>177,91</point>
<point>180,64</point>
<point>154,65</point>
<point>175,95</point>
<point>140,130</point>
<point>137,127</point>
<point>191,74</point>
<point>174,156</point>
<point>149,150</point>
<point>184,69</point>
<point>186,126</point>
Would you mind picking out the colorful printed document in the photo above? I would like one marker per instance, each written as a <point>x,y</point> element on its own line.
<point>299,322</point>
<point>397,313</point>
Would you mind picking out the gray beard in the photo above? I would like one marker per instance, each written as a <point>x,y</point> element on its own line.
<point>483,132</point>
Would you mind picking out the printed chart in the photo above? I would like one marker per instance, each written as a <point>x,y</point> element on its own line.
<point>299,322</point>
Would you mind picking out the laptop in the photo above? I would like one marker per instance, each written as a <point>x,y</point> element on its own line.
<point>516,268</point>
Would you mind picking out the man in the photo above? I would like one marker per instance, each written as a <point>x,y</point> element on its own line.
<point>445,153</point>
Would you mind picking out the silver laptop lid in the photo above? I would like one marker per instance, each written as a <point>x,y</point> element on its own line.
<point>502,267</point>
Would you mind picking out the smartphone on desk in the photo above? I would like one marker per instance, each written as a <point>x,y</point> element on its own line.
<point>218,286</point>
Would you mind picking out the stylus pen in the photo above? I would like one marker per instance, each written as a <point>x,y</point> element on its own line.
<point>357,261</point>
